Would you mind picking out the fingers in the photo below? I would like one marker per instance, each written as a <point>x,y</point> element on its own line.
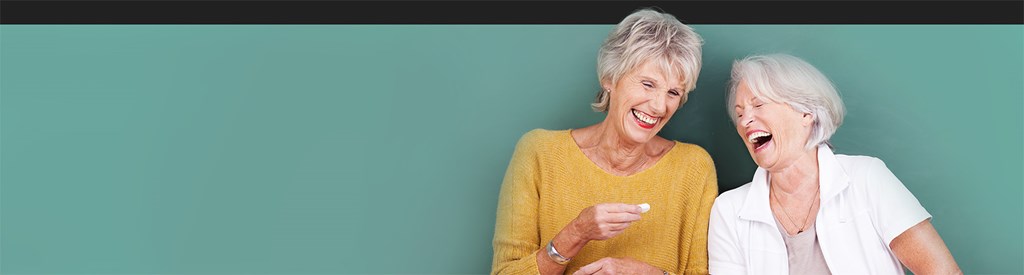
<point>606,220</point>
<point>592,268</point>
<point>610,265</point>
<point>613,227</point>
<point>619,218</point>
<point>620,207</point>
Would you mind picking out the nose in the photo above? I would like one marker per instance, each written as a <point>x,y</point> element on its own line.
<point>747,117</point>
<point>658,105</point>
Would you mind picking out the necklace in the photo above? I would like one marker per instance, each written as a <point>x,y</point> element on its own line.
<point>800,229</point>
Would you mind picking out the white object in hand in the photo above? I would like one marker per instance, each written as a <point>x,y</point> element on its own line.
<point>644,207</point>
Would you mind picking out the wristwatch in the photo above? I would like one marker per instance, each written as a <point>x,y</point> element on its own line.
<point>553,254</point>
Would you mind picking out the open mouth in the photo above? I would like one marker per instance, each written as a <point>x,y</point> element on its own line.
<point>759,139</point>
<point>644,120</point>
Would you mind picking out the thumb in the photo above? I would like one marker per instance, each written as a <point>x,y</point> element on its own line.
<point>590,268</point>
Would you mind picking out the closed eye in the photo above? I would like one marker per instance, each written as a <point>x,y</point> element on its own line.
<point>647,84</point>
<point>673,92</point>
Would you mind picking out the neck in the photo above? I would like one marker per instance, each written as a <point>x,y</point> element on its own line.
<point>799,177</point>
<point>620,154</point>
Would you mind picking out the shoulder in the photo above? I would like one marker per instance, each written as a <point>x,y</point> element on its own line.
<point>871,176</point>
<point>539,135</point>
<point>862,168</point>
<point>727,205</point>
<point>536,139</point>
<point>733,198</point>
<point>692,154</point>
<point>857,163</point>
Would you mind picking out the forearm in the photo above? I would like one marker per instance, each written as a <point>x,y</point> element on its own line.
<point>567,243</point>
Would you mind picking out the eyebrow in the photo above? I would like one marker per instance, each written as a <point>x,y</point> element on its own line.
<point>752,100</point>
<point>655,80</point>
<point>645,77</point>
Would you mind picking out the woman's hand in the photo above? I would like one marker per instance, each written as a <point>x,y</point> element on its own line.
<point>598,222</point>
<point>618,266</point>
<point>604,221</point>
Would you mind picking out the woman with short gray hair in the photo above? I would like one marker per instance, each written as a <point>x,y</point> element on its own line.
<point>808,210</point>
<point>614,197</point>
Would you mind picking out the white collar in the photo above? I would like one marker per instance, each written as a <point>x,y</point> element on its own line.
<point>832,180</point>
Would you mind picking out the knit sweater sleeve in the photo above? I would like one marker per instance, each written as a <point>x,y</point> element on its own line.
<point>695,245</point>
<point>516,234</point>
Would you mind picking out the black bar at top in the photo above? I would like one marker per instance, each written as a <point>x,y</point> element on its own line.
<point>506,12</point>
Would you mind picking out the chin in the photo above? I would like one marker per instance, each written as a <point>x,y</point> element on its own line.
<point>640,135</point>
<point>765,163</point>
<point>761,164</point>
<point>759,160</point>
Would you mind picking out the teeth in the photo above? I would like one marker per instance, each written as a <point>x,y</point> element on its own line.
<point>756,135</point>
<point>644,117</point>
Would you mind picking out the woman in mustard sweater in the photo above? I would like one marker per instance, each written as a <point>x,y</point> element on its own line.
<point>614,197</point>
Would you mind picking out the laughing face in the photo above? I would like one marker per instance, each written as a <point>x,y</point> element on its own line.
<point>642,102</point>
<point>775,134</point>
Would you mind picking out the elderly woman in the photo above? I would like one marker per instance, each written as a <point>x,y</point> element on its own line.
<point>808,210</point>
<point>577,200</point>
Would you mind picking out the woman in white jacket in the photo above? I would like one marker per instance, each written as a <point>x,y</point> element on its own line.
<point>807,210</point>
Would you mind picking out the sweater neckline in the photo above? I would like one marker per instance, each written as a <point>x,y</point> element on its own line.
<point>578,153</point>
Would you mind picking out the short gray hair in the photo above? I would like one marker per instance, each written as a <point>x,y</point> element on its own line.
<point>644,36</point>
<point>783,78</point>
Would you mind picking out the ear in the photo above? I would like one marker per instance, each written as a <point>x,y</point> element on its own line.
<point>807,119</point>
<point>606,85</point>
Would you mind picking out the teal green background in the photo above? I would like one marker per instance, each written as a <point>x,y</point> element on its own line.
<point>301,149</point>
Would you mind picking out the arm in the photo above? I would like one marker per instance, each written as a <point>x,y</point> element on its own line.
<point>697,250</point>
<point>567,243</point>
<point>600,222</point>
<point>724,254</point>
<point>693,253</point>
<point>905,225</point>
<point>693,249</point>
<point>922,250</point>
<point>515,230</point>
<point>518,248</point>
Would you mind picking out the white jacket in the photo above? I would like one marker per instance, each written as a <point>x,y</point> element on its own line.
<point>863,208</point>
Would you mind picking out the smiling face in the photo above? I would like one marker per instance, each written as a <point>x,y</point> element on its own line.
<point>642,102</point>
<point>775,134</point>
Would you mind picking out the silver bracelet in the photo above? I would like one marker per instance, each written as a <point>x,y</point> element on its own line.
<point>553,254</point>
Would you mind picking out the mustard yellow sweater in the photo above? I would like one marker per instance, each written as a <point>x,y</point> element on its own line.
<point>549,181</point>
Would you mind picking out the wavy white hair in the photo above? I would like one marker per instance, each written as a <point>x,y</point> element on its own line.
<point>783,78</point>
<point>649,36</point>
